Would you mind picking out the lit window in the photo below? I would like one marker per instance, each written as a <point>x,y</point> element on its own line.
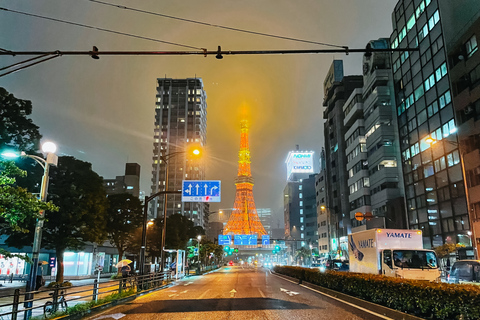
<point>300,187</point>
<point>471,46</point>
<point>411,22</point>
<point>301,203</point>
<point>301,219</point>
<point>300,195</point>
<point>302,236</point>
<point>301,211</point>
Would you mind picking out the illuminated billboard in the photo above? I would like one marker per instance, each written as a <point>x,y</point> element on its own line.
<point>299,162</point>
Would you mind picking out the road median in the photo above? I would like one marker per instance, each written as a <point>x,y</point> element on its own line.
<point>407,297</point>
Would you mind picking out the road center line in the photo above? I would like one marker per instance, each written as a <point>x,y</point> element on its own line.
<point>261,293</point>
<point>203,294</point>
<point>340,300</point>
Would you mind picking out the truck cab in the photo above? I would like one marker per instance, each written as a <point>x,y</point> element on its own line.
<point>411,264</point>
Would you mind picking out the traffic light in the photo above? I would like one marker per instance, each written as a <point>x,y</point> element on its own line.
<point>226,249</point>
<point>235,250</point>
<point>274,251</point>
<point>277,248</point>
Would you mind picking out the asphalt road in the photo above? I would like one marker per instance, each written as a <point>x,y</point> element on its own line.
<point>235,293</point>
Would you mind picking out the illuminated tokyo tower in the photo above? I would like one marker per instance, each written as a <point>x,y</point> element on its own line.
<point>244,218</point>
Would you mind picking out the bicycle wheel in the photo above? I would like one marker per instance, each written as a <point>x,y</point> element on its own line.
<point>63,304</point>
<point>48,308</point>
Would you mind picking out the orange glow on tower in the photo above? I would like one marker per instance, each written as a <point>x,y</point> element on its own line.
<point>244,218</point>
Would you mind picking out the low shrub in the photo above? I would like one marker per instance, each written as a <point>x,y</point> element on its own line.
<point>116,276</point>
<point>59,284</point>
<point>424,299</point>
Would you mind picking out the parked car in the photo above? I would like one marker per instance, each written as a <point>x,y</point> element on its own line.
<point>337,265</point>
<point>465,271</point>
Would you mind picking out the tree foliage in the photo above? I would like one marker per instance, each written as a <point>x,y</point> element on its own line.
<point>79,193</point>
<point>19,133</point>
<point>124,216</point>
<point>446,249</point>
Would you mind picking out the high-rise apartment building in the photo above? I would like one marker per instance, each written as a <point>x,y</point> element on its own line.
<point>434,187</point>
<point>180,120</point>
<point>337,89</point>
<point>461,21</point>
<point>386,198</point>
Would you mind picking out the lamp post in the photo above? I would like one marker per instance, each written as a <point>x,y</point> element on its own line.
<point>49,149</point>
<point>195,151</point>
<point>431,141</point>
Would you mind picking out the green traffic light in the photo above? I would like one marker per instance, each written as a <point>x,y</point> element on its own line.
<point>235,250</point>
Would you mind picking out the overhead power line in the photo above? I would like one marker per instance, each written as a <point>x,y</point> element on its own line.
<point>100,29</point>
<point>95,54</point>
<point>215,25</point>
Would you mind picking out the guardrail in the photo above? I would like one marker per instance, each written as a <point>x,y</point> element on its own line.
<point>47,302</point>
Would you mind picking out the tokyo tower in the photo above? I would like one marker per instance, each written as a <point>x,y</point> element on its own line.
<point>244,218</point>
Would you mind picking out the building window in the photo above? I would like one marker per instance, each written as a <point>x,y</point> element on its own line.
<point>300,195</point>
<point>302,235</point>
<point>301,211</point>
<point>471,46</point>
<point>300,187</point>
<point>301,203</point>
<point>301,219</point>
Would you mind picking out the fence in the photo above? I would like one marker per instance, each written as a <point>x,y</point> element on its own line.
<point>45,302</point>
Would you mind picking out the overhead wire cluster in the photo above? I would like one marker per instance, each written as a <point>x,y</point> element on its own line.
<point>43,56</point>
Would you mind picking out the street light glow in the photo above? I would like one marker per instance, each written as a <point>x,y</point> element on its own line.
<point>10,154</point>
<point>199,238</point>
<point>430,140</point>
<point>49,147</point>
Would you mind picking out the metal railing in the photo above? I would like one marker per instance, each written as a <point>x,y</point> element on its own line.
<point>47,302</point>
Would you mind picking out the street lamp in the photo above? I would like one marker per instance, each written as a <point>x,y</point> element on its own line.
<point>431,141</point>
<point>49,149</point>
<point>193,150</point>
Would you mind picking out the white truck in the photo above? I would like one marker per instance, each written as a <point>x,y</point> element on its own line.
<point>393,253</point>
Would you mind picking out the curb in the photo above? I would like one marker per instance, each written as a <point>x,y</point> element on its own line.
<point>387,312</point>
<point>97,309</point>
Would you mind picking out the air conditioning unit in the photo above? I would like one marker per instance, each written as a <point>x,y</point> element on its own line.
<point>468,110</point>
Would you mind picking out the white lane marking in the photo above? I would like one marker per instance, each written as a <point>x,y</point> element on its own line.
<point>203,294</point>
<point>290,293</point>
<point>340,300</point>
<point>184,292</point>
<point>232,293</point>
<point>261,293</point>
<point>115,316</point>
<point>173,295</point>
<point>187,284</point>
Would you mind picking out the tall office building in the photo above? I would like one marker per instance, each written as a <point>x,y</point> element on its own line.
<point>461,21</point>
<point>337,89</point>
<point>323,218</point>
<point>180,120</point>
<point>434,188</point>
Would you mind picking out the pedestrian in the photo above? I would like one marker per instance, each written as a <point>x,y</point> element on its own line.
<point>39,281</point>
<point>125,272</point>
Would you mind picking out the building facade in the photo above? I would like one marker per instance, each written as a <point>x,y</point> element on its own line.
<point>337,89</point>
<point>434,189</point>
<point>462,37</point>
<point>180,121</point>
<point>128,183</point>
<point>387,202</point>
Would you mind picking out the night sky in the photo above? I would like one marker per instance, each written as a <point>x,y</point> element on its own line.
<point>102,111</point>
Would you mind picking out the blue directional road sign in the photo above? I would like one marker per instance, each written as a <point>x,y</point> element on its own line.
<point>224,240</point>
<point>201,190</point>
<point>265,240</point>
<point>245,239</point>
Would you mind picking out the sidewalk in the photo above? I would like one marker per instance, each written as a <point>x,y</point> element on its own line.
<point>7,290</point>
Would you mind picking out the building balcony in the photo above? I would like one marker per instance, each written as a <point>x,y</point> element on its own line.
<point>354,113</point>
<point>379,94</point>
<point>383,195</point>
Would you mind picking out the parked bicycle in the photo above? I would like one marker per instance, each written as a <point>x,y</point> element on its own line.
<point>51,307</point>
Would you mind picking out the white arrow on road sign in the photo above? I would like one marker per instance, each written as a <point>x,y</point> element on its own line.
<point>211,190</point>
<point>197,186</point>
<point>205,187</point>
<point>189,190</point>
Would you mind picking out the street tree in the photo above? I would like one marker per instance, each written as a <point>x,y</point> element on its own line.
<point>79,193</point>
<point>19,133</point>
<point>303,254</point>
<point>123,217</point>
<point>17,205</point>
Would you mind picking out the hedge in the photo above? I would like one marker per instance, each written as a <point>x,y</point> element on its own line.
<point>424,299</point>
